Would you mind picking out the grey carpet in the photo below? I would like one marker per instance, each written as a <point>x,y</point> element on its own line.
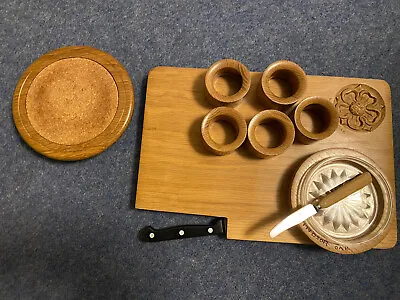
<point>68,231</point>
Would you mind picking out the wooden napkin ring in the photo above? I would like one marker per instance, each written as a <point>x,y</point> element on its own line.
<point>229,115</point>
<point>278,121</point>
<point>283,83</point>
<point>325,114</point>
<point>227,68</point>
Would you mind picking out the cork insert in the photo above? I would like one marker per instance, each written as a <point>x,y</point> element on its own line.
<point>72,101</point>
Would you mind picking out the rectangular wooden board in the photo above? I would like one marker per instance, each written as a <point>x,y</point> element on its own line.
<point>177,174</point>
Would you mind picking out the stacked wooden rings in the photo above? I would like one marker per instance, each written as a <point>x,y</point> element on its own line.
<point>281,88</point>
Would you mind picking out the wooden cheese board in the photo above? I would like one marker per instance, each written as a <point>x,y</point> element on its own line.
<point>178,174</point>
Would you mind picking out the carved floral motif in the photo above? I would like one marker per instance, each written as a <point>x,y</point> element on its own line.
<point>360,107</point>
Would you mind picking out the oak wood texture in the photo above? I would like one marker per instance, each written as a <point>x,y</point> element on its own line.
<point>282,83</point>
<point>177,173</point>
<point>233,71</point>
<point>83,148</point>
<point>280,123</point>
<point>229,115</point>
<point>322,109</point>
<point>349,187</point>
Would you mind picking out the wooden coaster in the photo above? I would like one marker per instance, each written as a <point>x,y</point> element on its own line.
<point>73,103</point>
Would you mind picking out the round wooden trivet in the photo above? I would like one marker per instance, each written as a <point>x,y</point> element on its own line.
<point>73,103</point>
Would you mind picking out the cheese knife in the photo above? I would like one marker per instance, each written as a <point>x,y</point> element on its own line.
<point>339,193</point>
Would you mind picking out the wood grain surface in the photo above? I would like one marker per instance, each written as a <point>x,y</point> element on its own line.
<point>177,174</point>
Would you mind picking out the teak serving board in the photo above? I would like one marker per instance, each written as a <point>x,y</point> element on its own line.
<point>177,174</point>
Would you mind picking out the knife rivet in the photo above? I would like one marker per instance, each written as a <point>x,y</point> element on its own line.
<point>181,232</point>
<point>151,235</point>
<point>210,230</point>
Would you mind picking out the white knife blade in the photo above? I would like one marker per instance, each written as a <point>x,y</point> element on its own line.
<point>339,193</point>
<point>295,218</point>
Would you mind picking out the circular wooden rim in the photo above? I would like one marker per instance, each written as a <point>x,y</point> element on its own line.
<point>354,245</point>
<point>328,107</point>
<point>227,65</point>
<point>263,117</point>
<point>99,143</point>
<point>291,67</point>
<point>229,115</point>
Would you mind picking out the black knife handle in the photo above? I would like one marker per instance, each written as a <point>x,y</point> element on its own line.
<point>150,234</point>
